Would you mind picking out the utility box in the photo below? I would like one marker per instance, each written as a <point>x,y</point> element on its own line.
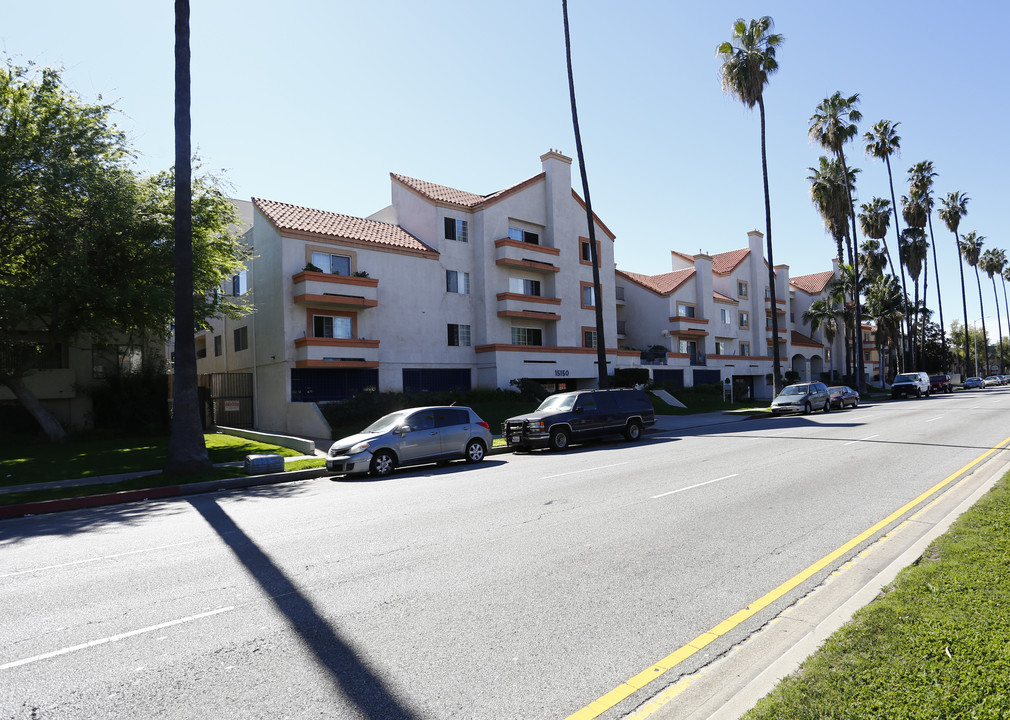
<point>262,464</point>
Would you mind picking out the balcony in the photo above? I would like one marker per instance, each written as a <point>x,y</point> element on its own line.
<point>338,292</point>
<point>526,256</point>
<point>516,305</point>
<point>314,352</point>
<point>684,324</point>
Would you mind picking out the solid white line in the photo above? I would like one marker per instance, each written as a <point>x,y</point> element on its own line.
<point>112,639</point>
<point>576,472</point>
<point>692,487</point>
<point>936,418</point>
<point>870,437</point>
<point>98,559</point>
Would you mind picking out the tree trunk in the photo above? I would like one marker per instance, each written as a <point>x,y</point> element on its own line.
<point>858,349</point>
<point>905,333</point>
<point>999,321</point>
<point>944,363</point>
<point>925,294</point>
<point>776,357</point>
<point>964,301</point>
<point>1006,308</point>
<point>46,420</point>
<point>187,450</point>
<point>981,312</point>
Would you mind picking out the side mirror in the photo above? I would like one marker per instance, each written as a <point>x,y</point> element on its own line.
<point>403,429</point>
<point>577,409</point>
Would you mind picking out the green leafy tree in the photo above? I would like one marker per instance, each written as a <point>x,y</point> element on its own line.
<point>832,125</point>
<point>882,141</point>
<point>748,59</point>
<point>874,221</point>
<point>970,247</point>
<point>920,178</point>
<point>914,249</point>
<point>830,196</point>
<point>885,304</point>
<point>873,260</point>
<point>87,243</point>
<point>954,206</point>
<point>825,315</point>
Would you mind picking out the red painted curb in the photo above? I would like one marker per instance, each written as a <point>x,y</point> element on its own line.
<point>50,506</point>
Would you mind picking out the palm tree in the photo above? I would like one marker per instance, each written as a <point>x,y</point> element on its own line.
<point>920,176</point>
<point>827,191</point>
<point>187,449</point>
<point>843,286</point>
<point>1004,276</point>
<point>992,263</point>
<point>873,260</point>
<point>885,303</point>
<point>832,125</point>
<point>954,207</point>
<point>914,249</point>
<point>882,141</point>
<point>874,221</point>
<point>747,62</point>
<point>971,248</point>
<point>601,347</point>
<point>913,210</point>
<point>824,314</point>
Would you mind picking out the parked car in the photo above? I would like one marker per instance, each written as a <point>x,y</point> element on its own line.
<point>802,398</point>
<point>915,384</point>
<point>575,416</point>
<point>992,381</point>
<point>940,383</point>
<point>842,395</point>
<point>972,382</point>
<point>411,437</point>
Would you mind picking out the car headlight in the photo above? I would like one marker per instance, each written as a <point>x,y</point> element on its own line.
<point>537,426</point>
<point>359,448</point>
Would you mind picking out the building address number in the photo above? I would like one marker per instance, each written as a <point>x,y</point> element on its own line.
<point>560,373</point>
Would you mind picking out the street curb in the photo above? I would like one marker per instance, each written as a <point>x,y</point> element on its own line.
<point>41,507</point>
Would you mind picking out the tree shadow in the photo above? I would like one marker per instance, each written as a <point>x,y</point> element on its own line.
<point>349,674</point>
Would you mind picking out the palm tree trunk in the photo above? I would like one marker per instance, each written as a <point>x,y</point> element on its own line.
<point>601,347</point>
<point>999,322</point>
<point>776,359</point>
<point>860,380</point>
<point>925,302</point>
<point>187,450</point>
<point>981,312</point>
<point>1006,308</point>
<point>944,364</point>
<point>904,332</point>
<point>964,302</point>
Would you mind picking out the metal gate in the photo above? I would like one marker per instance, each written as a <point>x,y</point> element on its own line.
<point>231,399</point>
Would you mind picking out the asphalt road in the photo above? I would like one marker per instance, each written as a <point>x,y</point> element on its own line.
<point>526,587</point>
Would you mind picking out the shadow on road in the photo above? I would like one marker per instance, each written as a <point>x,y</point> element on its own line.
<point>350,675</point>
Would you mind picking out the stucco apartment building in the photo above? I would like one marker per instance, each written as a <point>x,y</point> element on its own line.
<point>443,289</point>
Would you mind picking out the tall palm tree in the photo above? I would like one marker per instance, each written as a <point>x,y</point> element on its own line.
<point>954,207</point>
<point>1004,276</point>
<point>187,449</point>
<point>993,262</point>
<point>827,191</point>
<point>843,286</point>
<point>882,141</point>
<point>832,125</point>
<point>971,248</point>
<point>914,250</point>
<point>874,221</point>
<point>873,260</point>
<point>920,177</point>
<point>913,210</point>
<point>601,346</point>
<point>885,303</point>
<point>824,314</point>
<point>748,59</point>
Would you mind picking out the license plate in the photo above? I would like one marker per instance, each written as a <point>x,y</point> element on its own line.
<point>517,438</point>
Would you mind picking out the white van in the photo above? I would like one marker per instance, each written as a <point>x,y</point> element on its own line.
<point>915,384</point>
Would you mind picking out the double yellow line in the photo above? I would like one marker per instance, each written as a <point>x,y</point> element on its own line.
<point>651,673</point>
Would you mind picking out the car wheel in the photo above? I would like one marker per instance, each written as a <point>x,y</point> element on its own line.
<point>382,464</point>
<point>633,431</point>
<point>855,403</point>
<point>827,406</point>
<point>807,409</point>
<point>475,451</point>
<point>559,439</point>
<point>918,393</point>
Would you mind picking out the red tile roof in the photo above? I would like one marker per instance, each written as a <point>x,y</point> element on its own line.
<point>294,219</point>
<point>662,284</point>
<point>799,338</point>
<point>812,284</point>
<point>461,198</point>
<point>725,263</point>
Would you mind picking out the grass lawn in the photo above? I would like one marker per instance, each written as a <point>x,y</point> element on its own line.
<point>934,644</point>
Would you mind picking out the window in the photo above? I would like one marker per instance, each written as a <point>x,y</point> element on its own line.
<point>720,347</point>
<point>524,236</point>
<point>109,360</point>
<point>459,335</point>
<point>745,348</point>
<point>685,310</point>
<point>217,346</point>
<point>457,282</point>
<point>741,288</point>
<point>744,319</point>
<point>455,230</point>
<point>588,295</point>
<point>527,336</point>
<point>524,286</point>
<point>335,264</point>
<point>725,316</point>
<point>587,251</point>
<point>689,347</point>
<point>331,326</point>
<point>768,322</point>
<point>239,284</point>
<point>589,338</point>
<point>241,337</point>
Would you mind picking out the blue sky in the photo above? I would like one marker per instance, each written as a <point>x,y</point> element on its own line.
<point>315,103</point>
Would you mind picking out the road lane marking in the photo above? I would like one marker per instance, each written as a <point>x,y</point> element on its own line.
<point>636,683</point>
<point>692,487</point>
<point>869,437</point>
<point>576,472</point>
<point>934,419</point>
<point>98,559</point>
<point>113,638</point>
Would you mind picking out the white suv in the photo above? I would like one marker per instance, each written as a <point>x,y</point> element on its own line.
<point>912,383</point>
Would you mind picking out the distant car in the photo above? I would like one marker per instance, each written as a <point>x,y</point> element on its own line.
<point>915,384</point>
<point>973,382</point>
<point>802,398</point>
<point>940,383</point>
<point>842,395</point>
<point>411,437</point>
<point>992,381</point>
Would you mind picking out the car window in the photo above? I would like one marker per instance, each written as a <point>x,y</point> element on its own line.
<point>557,402</point>
<point>424,420</point>
<point>796,390</point>
<point>607,400</point>
<point>448,417</point>
<point>386,423</point>
<point>586,402</point>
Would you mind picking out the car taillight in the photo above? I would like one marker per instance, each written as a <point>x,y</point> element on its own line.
<point>484,425</point>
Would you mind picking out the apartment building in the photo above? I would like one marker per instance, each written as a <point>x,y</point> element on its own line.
<point>443,289</point>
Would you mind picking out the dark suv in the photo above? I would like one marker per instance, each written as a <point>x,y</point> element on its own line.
<point>580,415</point>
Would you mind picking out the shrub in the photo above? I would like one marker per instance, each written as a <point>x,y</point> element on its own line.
<point>133,403</point>
<point>629,377</point>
